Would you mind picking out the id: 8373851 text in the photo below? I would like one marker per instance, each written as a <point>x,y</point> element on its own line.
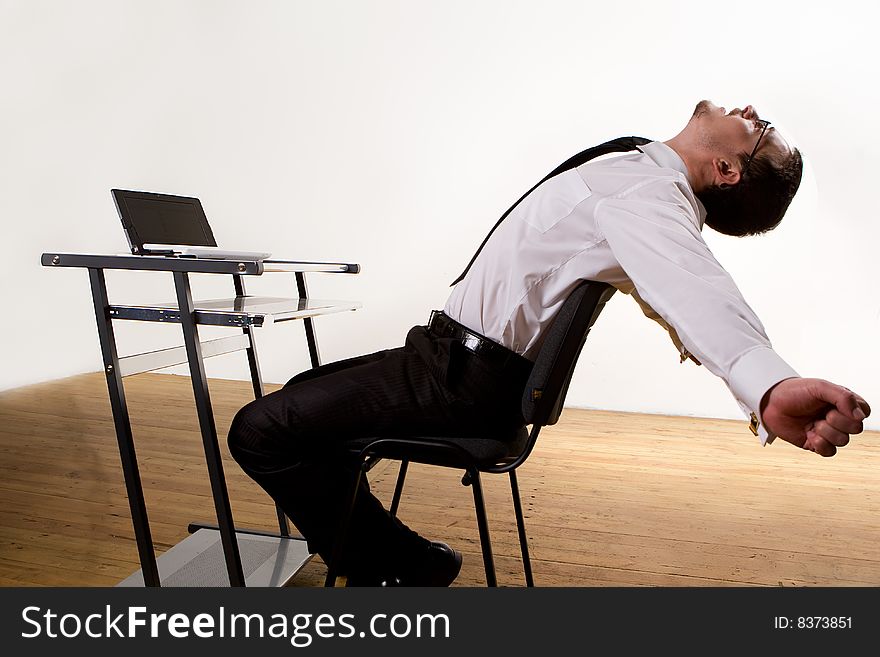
<point>812,622</point>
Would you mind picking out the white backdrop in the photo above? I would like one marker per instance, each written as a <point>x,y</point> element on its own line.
<point>393,134</point>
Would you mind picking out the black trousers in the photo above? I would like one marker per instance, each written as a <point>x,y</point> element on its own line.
<point>292,442</point>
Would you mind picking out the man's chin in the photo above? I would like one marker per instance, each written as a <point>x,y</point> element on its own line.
<point>703,107</point>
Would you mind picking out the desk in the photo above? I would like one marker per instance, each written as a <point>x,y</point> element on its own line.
<point>251,558</point>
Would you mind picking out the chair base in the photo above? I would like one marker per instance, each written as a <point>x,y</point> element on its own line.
<point>471,478</point>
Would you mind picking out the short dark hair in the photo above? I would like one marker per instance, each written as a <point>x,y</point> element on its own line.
<point>758,202</point>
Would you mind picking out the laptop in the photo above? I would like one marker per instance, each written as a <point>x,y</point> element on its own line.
<point>163,224</point>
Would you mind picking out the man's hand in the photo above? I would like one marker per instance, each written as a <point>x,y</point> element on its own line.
<point>813,414</point>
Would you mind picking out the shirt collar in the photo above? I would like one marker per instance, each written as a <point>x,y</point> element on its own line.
<point>665,156</point>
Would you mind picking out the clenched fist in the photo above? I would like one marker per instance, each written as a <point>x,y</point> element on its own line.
<point>813,414</point>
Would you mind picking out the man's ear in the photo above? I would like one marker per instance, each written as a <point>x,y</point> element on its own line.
<point>724,172</point>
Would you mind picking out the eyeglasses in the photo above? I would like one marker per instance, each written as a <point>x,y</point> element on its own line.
<point>764,125</point>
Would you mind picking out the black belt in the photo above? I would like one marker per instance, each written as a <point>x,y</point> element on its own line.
<point>443,326</point>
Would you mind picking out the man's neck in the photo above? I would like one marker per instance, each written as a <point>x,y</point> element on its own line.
<point>692,162</point>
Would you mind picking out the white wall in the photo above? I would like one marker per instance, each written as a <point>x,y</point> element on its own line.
<point>393,134</point>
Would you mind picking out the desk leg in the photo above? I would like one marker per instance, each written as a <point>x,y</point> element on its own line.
<point>257,380</point>
<point>121,420</point>
<point>307,322</point>
<point>209,430</point>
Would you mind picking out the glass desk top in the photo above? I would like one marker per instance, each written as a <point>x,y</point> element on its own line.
<point>237,311</point>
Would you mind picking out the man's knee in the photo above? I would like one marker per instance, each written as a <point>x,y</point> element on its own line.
<point>253,437</point>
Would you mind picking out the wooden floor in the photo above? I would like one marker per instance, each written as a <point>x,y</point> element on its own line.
<point>611,499</point>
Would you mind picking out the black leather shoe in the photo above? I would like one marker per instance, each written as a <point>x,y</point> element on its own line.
<point>439,567</point>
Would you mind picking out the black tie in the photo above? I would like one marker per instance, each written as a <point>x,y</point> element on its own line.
<point>619,145</point>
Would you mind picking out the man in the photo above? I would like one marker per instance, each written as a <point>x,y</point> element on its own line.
<point>633,221</point>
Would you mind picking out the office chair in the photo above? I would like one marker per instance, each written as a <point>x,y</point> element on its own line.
<point>542,403</point>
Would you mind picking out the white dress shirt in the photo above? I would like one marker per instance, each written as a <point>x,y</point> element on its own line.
<point>632,221</point>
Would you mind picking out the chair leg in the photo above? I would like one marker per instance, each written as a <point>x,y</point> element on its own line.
<point>398,489</point>
<point>339,542</point>
<point>521,526</point>
<point>473,479</point>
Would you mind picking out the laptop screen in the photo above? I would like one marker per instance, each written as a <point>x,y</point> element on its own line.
<point>151,218</point>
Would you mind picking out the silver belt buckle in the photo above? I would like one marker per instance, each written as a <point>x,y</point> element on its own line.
<point>472,342</point>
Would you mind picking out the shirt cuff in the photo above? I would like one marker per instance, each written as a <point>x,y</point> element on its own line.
<point>751,377</point>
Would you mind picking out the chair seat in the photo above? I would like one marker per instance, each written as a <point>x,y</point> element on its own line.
<point>463,451</point>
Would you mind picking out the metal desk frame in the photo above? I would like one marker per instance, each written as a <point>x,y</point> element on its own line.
<point>189,315</point>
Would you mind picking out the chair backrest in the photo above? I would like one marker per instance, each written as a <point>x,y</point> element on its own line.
<point>548,383</point>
